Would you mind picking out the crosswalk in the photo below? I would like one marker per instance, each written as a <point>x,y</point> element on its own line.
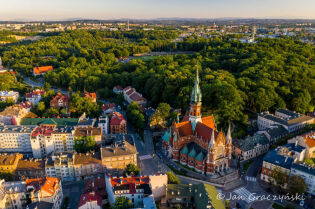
<point>145,157</point>
<point>253,179</point>
<point>244,194</point>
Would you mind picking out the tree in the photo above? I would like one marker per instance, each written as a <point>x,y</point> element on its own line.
<point>121,203</point>
<point>41,108</point>
<point>85,144</point>
<point>131,168</point>
<point>296,185</point>
<point>277,177</point>
<point>51,112</point>
<point>135,116</point>
<point>172,178</point>
<point>160,115</point>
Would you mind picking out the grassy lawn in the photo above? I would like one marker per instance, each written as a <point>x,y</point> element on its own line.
<point>185,166</point>
<point>177,171</point>
<point>213,194</point>
<point>247,164</point>
<point>277,206</point>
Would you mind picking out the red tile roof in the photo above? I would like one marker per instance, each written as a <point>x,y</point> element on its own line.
<point>108,106</point>
<point>91,95</point>
<point>310,139</point>
<point>204,131</point>
<point>90,197</point>
<point>41,70</point>
<point>209,121</point>
<point>48,184</point>
<point>43,130</point>
<point>131,181</point>
<point>35,92</point>
<point>184,128</point>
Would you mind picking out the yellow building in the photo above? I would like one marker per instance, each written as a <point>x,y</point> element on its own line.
<point>8,163</point>
<point>118,155</point>
<point>87,165</point>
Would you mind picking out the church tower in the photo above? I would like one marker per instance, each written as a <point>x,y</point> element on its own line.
<point>195,103</point>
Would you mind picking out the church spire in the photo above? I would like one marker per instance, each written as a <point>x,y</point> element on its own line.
<point>228,135</point>
<point>196,93</point>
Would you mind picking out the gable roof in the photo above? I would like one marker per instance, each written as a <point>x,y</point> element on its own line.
<point>41,70</point>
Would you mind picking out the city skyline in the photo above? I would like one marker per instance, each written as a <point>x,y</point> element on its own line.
<point>141,9</point>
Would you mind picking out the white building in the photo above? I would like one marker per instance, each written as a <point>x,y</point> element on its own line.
<point>35,96</point>
<point>291,121</point>
<point>16,139</point>
<point>307,173</point>
<point>49,139</point>
<point>12,195</point>
<point>131,95</point>
<point>5,95</point>
<point>60,166</point>
<point>136,189</point>
<point>103,122</point>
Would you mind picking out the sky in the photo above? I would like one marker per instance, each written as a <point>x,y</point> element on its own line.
<point>148,9</point>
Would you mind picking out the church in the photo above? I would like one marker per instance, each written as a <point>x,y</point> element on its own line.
<point>196,142</point>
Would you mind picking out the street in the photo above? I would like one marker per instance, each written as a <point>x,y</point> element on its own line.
<point>73,190</point>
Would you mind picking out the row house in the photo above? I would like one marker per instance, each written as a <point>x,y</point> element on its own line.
<point>87,165</point>
<point>7,95</point>
<point>16,139</point>
<point>131,95</point>
<point>35,96</point>
<point>118,124</point>
<point>33,168</point>
<point>250,147</point>
<point>60,101</point>
<point>47,189</point>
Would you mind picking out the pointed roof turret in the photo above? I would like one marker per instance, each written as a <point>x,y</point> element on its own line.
<point>196,93</point>
<point>228,135</point>
<point>211,143</point>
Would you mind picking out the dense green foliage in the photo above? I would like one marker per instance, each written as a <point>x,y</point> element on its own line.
<point>85,144</point>
<point>121,203</point>
<point>172,178</point>
<point>135,116</point>
<point>269,74</point>
<point>131,169</point>
<point>297,185</point>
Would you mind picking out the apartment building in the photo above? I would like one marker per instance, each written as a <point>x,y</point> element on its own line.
<point>35,96</point>
<point>118,155</point>
<point>118,124</point>
<point>6,95</point>
<point>136,189</point>
<point>60,166</point>
<point>290,120</point>
<point>281,160</point>
<point>8,163</point>
<point>47,189</point>
<point>103,123</point>
<point>12,195</point>
<point>94,194</point>
<point>16,139</point>
<point>88,165</point>
<point>308,141</point>
<point>33,168</point>
<point>49,138</point>
<point>13,115</point>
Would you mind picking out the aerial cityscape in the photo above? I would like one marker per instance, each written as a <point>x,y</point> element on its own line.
<point>157,104</point>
